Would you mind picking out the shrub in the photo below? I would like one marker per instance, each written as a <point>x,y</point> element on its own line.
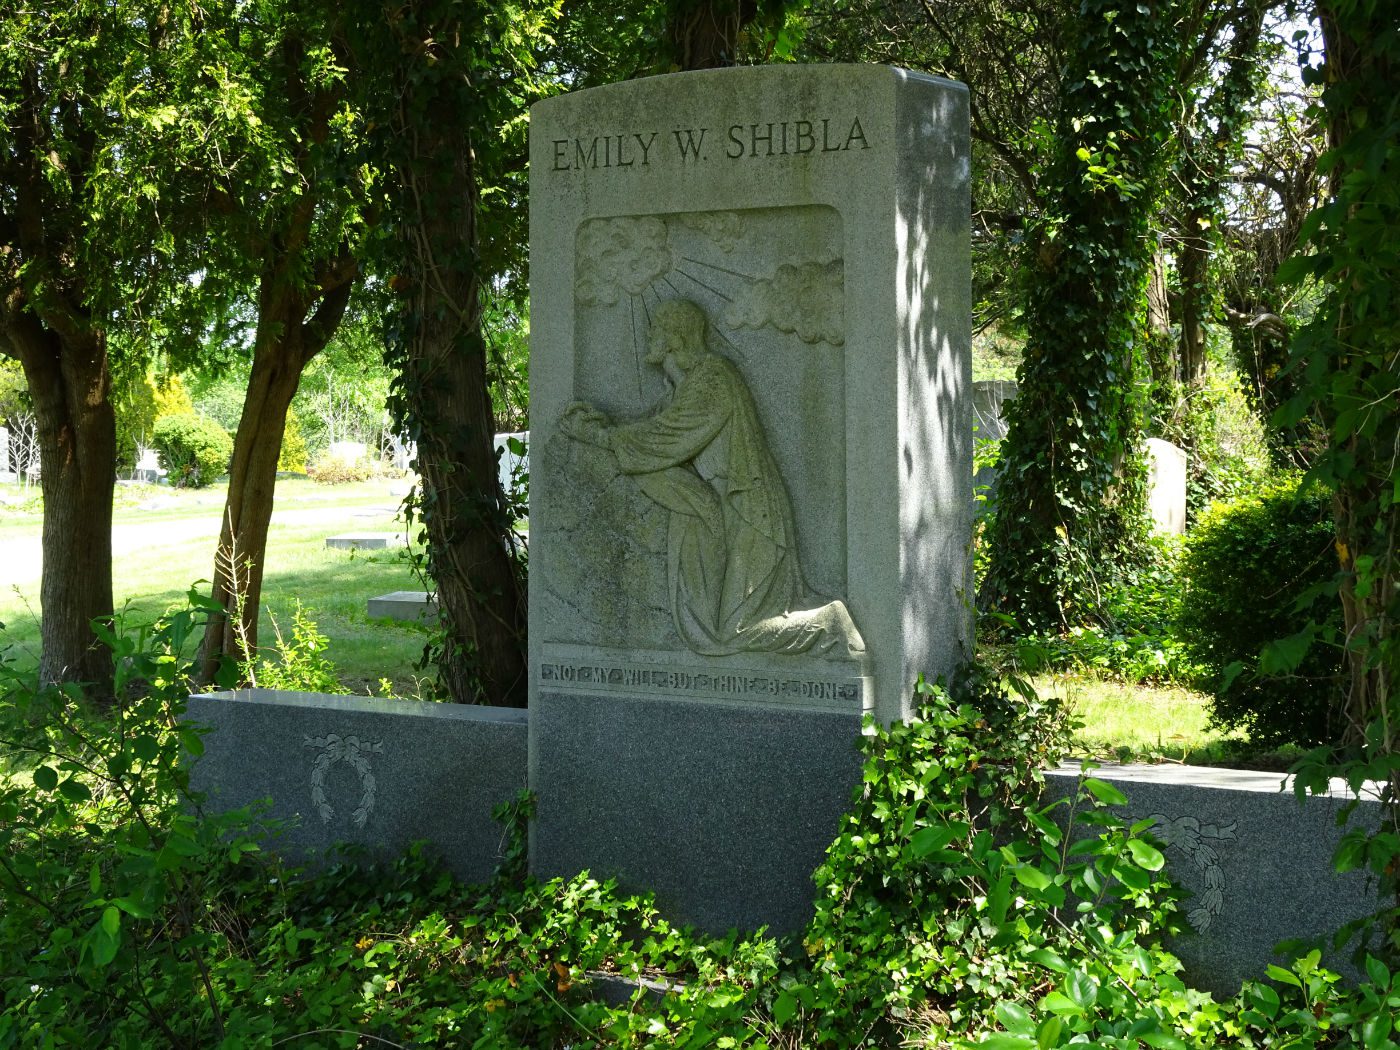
<point>1135,637</point>
<point>293,454</point>
<point>330,469</point>
<point>301,662</point>
<point>1252,567</point>
<point>1217,422</point>
<point>195,450</point>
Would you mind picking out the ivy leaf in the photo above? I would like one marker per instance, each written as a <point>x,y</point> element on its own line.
<point>784,1007</point>
<point>1031,877</point>
<point>1105,792</point>
<point>1146,855</point>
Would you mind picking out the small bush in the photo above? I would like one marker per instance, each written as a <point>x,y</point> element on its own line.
<point>329,469</point>
<point>293,454</point>
<point>301,662</point>
<point>1217,421</point>
<point>195,450</point>
<point>1249,564</point>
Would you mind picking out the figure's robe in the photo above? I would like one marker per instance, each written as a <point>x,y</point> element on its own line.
<point>735,582</point>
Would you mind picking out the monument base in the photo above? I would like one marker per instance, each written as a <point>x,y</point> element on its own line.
<point>722,810</point>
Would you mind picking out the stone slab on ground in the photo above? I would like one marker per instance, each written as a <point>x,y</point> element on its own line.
<point>365,541</point>
<point>1256,860</point>
<point>380,774</point>
<point>750,464</point>
<point>410,606</point>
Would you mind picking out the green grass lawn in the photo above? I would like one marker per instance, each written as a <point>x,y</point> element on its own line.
<point>333,586</point>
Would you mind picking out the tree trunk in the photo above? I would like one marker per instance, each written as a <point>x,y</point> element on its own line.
<point>69,383</point>
<point>704,34</point>
<point>284,346</point>
<point>1193,266</point>
<point>242,553</point>
<point>479,589</point>
<point>1160,347</point>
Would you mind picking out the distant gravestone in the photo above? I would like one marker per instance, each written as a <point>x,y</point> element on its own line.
<point>349,451</point>
<point>148,465</point>
<point>365,541</point>
<point>6,474</point>
<point>750,499</point>
<point>512,466</point>
<point>989,397</point>
<point>1166,486</point>
<point>409,606</point>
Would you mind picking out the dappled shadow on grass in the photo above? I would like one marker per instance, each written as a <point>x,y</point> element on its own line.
<point>333,588</point>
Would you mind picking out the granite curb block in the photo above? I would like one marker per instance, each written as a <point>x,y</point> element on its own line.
<point>365,541</point>
<point>380,774</point>
<point>1255,859</point>
<point>408,606</point>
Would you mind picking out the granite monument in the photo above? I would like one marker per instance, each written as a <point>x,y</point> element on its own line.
<point>750,488</point>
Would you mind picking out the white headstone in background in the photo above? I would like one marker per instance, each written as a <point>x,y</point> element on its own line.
<point>509,462</point>
<point>349,451</point>
<point>6,473</point>
<point>1166,486</point>
<point>989,397</point>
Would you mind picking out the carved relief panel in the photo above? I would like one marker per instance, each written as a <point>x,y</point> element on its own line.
<point>709,386</point>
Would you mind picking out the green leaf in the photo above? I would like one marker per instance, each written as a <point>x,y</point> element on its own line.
<point>1377,972</point>
<point>1049,959</point>
<point>1059,1003</point>
<point>1007,1041</point>
<point>1264,999</point>
<point>1375,1032</point>
<point>1162,1040</point>
<point>75,790</point>
<point>1082,988</point>
<point>1049,1033</point>
<point>45,779</point>
<point>1146,855</point>
<point>111,921</point>
<point>1105,792</point>
<point>133,907</point>
<point>1015,1018</point>
<point>1278,973</point>
<point>931,839</point>
<point>1031,877</point>
<point>784,1008</point>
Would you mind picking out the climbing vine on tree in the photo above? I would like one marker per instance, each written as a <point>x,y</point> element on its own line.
<point>1348,358</point>
<point>448,84</point>
<point>1070,502</point>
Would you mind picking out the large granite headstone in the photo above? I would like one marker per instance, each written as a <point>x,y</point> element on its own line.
<point>750,499</point>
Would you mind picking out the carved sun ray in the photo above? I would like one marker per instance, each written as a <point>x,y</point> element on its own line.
<point>708,287</point>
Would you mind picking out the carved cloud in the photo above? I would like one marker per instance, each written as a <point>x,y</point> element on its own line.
<point>806,298</point>
<point>724,228</point>
<point>620,256</point>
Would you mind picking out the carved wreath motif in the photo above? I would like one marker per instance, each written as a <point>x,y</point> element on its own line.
<point>1196,840</point>
<point>352,752</point>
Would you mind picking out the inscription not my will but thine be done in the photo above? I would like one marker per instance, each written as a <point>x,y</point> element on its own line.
<point>575,676</point>
<point>782,138</point>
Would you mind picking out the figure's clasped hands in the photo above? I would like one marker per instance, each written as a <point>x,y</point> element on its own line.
<point>582,422</point>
